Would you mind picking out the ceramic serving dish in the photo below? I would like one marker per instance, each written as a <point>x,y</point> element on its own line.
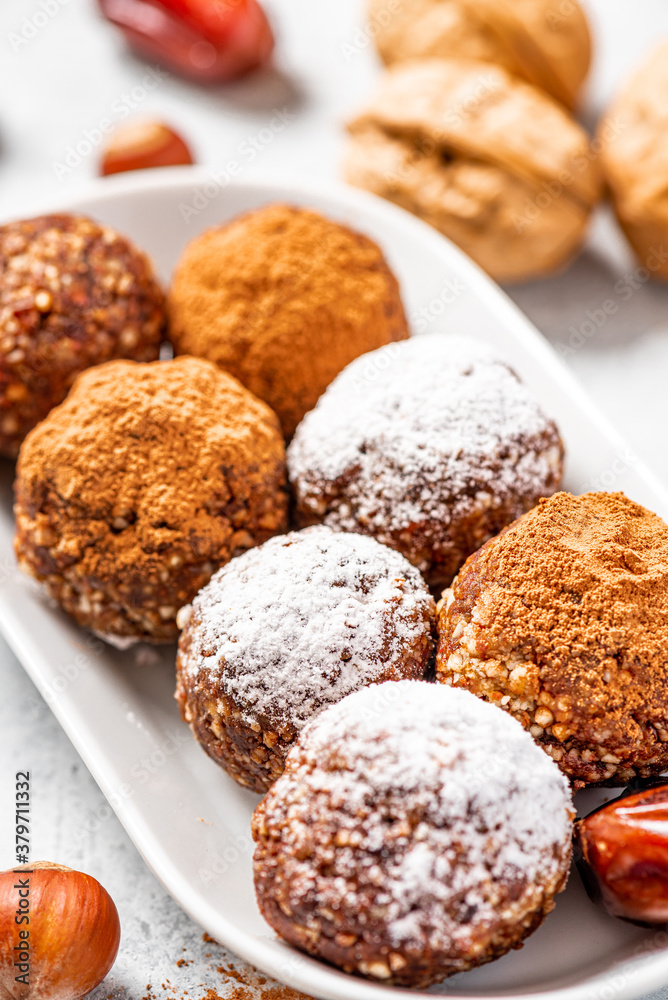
<point>189,819</point>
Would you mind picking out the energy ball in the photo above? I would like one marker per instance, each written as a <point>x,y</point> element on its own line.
<point>562,620</point>
<point>544,42</point>
<point>431,446</point>
<point>132,492</point>
<point>289,628</point>
<point>415,833</point>
<point>284,298</point>
<point>72,294</point>
<point>493,163</point>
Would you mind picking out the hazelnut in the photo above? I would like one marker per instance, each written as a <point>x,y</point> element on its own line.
<point>74,932</point>
<point>545,42</point>
<point>633,135</point>
<point>141,144</point>
<point>493,163</point>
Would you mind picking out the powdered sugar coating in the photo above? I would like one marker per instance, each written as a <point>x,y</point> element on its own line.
<point>426,823</point>
<point>299,622</point>
<point>431,445</point>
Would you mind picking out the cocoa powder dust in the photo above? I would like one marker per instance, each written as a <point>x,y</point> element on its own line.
<point>239,981</point>
<point>578,588</point>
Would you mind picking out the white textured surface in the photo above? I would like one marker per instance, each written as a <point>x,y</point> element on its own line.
<point>64,81</point>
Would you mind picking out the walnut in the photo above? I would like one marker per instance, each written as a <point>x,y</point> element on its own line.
<point>545,42</point>
<point>633,135</point>
<point>492,162</point>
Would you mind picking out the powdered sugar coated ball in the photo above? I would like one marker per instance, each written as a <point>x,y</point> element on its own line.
<point>290,628</point>
<point>431,445</point>
<point>415,833</point>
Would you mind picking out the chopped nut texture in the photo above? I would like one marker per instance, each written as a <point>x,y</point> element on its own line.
<point>72,294</point>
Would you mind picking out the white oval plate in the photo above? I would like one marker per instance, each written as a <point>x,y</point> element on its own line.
<point>189,819</point>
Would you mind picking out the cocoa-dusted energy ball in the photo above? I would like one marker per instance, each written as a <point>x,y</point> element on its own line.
<point>289,628</point>
<point>72,294</point>
<point>493,163</point>
<point>415,833</point>
<point>545,42</point>
<point>431,446</point>
<point>562,620</point>
<point>132,492</point>
<point>284,298</point>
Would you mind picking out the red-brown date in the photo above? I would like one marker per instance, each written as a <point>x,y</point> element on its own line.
<point>623,856</point>
<point>207,40</point>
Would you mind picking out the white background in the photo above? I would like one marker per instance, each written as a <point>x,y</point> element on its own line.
<point>56,87</point>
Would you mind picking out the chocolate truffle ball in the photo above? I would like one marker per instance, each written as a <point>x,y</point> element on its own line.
<point>132,492</point>
<point>431,446</point>
<point>415,833</point>
<point>72,294</point>
<point>289,628</point>
<point>283,299</point>
<point>562,620</point>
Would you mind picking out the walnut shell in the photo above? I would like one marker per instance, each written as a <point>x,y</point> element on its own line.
<point>545,42</point>
<point>633,135</point>
<point>492,162</point>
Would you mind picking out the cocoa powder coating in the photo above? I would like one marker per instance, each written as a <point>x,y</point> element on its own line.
<point>283,299</point>
<point>142,483</point>
<point>562,620</point>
